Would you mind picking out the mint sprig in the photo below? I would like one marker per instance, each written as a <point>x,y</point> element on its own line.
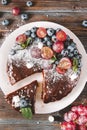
<point>26,43</point>
<point>26,112</point>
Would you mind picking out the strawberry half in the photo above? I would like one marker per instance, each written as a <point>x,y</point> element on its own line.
<point>21,38</point>
<point>61,35</point>
<point>63,65</point>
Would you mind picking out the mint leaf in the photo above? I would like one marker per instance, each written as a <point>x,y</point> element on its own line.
<point>26,112</point>
<point>75,64</point>
<point>23,45</point>
<point>29,40</point>
<point>53,59</point>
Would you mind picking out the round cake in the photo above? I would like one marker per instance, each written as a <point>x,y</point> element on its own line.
<point>49,51</point>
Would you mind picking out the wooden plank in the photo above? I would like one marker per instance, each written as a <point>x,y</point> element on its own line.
<point>40,5</point>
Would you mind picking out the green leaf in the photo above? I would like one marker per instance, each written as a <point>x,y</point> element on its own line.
<point>26,112</point>
<point>53,59</point>
<point>28,41</point>
<point>75,64</point>
<point>23,45</point>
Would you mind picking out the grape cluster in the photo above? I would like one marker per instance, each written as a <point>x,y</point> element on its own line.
<point>75,119</point>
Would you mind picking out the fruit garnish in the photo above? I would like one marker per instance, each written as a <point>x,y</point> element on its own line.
<point>60,71</point>
<point>21,38</point>
<point>58,46</point>
<point>35,52</point>
<point>53,59</point>
<point>16,11</point>
<point>46,53</point>
<point>65,63</point>
<point>26,112</point>
<point>75,64</point>
<point>75,119</point>
<point>61,35</point>
<point>41,32</point>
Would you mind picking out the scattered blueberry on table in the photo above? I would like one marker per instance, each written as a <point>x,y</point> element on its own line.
<point>84,23</point>
<point>4,2</point>
<point>24,16</point>
<point>29,3</point>
<point>5,22</point>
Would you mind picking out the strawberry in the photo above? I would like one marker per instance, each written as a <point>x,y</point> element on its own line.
<point>41,32</point>
<point>61,35</point>
<point>21,38</point>
<point>46,53</point>
<point>63,65</point>
<point>58,46</point>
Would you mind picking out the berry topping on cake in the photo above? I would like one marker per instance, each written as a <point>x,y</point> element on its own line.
<point>61,35</point>
<point>63,65</point>
<point>41,32</point>
<point>21,38</point>
<point>58,46</point>
<point>46,53</point>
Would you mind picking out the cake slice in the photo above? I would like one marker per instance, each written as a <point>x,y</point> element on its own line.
<point>55,88</point>
<point>23,97</point>
<point>17,73</point>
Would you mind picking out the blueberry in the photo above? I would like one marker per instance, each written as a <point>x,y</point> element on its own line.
<point>24,16</point>
<point>38,39</point>
<point>64,52</point>
<point>29,3</point>
<point>73,44</point>
<point>70,48</point>
<point>54,38</point>
<point>58,56</point>
<point>79,56</point>
<point>27,33</point>
<point>5,22</point>
<point>70,55</point>
<point>33,35</point>
<point>49,43</point>
<point>33,29</point>
<point>23,103</point>
<point>66,44</point>
<point>79,64</point>
<point>50,31</point>
<point>84,23</point>
<point>4,2</point>
<point>75,51</point>
<point>46,39</point>
<point>68,38</point>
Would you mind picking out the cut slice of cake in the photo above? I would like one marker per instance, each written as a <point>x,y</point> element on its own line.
<point>17,73</point>
<point>24,97</point>
<point>56,87</point>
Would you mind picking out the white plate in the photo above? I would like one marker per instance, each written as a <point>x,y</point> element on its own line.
<point>40,107</point>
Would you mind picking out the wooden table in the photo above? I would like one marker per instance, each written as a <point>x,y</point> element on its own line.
<point>69,13</point>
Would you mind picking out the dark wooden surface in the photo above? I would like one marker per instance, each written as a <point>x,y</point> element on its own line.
<point>69,13</point>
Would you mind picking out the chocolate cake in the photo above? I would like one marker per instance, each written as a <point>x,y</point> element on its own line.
<point>23,97</point>
<point>55,88</point>
<point>51,52</point>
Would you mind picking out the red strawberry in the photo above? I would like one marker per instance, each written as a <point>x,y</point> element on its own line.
<point>21,38</point>
<point>61,35</point>
<point>58,46</point>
